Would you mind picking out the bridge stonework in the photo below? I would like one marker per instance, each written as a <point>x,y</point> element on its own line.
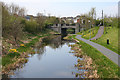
<point>77,29</point>
<point>58,28</point>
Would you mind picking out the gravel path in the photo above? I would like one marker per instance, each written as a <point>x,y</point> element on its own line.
<point>99,34</point>
<point>108,53</point>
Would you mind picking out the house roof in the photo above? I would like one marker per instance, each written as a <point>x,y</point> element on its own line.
<point>27,17</point>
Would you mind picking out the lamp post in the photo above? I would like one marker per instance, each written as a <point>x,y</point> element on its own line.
<point>90,28</point>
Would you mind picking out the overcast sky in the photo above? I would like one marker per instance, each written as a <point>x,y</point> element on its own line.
<point>65,8</point>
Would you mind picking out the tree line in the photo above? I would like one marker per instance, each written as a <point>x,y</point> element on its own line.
<point>15,25</point>
<point>91,16</point>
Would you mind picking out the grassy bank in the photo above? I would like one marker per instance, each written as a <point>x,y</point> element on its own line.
<point>105,67</point>
<point>10,57</point>
<point>112,35</point>
<point>86,34</point>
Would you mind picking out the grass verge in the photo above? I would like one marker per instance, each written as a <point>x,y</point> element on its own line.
<point>106,68</point>
<point>86,34</point>
<point>112,35</point>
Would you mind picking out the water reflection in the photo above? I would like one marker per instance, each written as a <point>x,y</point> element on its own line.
<point>53,41</point>
<point>53,60</point>
<point>56,58</point>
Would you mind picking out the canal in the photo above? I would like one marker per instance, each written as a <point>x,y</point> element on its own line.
<point>52,59</point>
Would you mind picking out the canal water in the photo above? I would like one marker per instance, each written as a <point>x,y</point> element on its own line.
<point>52,60</point>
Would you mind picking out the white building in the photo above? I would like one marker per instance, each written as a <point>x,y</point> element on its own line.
<point>76,19</point>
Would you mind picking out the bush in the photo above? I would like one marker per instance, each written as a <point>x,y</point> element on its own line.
<point>31,26</point>
<point>47,25</point>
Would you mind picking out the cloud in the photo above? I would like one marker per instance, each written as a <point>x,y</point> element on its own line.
<point>67,7</point>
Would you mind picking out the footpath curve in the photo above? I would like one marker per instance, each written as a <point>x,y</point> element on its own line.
<point>108,53</point>
<point>100,33</point>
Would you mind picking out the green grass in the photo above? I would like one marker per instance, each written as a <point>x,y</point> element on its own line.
<point>8,59</point>
<point>28,45</point>
<point>86,34</point>
<point>70,37</point>
<point>32,43</point>
<point>106,68</point>
<point>112,35</point>
<point>70,31</point>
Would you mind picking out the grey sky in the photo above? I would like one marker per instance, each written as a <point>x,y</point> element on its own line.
<point>67,7</point>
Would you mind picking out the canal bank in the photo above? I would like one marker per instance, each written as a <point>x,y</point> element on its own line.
<point>18,56</point>
<point>55,57</point>
<point>106,68</point>
<point>51,60</point>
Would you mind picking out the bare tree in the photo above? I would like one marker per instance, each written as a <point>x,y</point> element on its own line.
<point>12,26</point>
<point>16,10</point>
<point>16,29</point>
<point>40,21</point>
<point>13,9</point>
<point>92,16</point>
<point>22,12</point>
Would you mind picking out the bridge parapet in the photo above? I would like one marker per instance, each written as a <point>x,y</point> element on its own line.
<point>58,27</point>
<point>68,27</point>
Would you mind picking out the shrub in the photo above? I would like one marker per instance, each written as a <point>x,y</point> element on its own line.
<point>31,26</point>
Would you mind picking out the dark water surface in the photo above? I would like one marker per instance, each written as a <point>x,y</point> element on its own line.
<point>52,60</point>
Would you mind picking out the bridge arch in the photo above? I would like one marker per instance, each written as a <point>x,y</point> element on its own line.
<point>61,28</point>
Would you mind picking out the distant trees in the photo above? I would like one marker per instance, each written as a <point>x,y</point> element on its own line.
<point>16,10</point>
<point>41,21</point>
<point>50,20</point>
<point>14,23</point>
<point>84,18</point>
<point>115,22</point>
<point>90,16</point>
<point>69,22</point>
<point>62,21</point>
<point>31,26</point>
<point>110,21</point>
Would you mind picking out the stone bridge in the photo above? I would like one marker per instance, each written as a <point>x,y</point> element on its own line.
<point>63,28</point>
